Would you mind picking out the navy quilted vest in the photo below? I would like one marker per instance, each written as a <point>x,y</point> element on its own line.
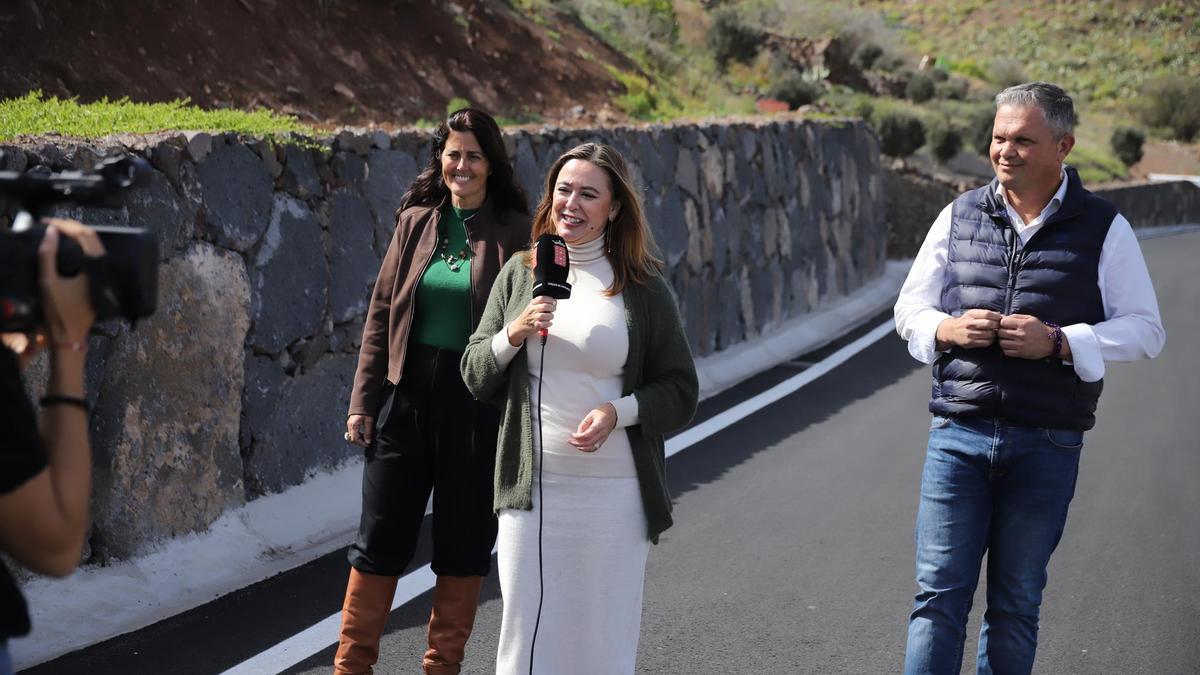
<point>1054,277</point>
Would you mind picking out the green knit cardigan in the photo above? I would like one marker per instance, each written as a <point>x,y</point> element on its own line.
<point>659,372</point>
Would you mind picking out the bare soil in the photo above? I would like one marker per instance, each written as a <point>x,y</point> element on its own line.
<point>1171,157</point>
<point>330,62</point>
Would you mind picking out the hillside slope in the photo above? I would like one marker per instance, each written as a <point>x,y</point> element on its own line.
<point>1101,50</point>
<point>331,61</point>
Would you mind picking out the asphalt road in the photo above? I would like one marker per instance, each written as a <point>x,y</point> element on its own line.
<point>792,549</point>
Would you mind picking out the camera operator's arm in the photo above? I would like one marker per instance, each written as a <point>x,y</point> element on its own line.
<point>43,522</point>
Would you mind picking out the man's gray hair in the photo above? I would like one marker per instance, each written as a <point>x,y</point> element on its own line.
<point>1050,99</point>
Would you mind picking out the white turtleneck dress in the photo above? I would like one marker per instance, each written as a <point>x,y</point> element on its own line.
<point>594,532</point>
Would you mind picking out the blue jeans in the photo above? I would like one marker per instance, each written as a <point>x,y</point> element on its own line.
<point>996,488</point>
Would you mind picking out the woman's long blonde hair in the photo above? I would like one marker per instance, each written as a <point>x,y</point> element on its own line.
<point>629,244</point>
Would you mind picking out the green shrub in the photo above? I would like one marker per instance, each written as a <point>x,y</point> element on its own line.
<point>1172,103</point>
<point>456,103</point>
<point>944,141</point>
<point>730,39</point>
<point>1126,144</point>
<point>955,89</point>
<point>641,99</point>
<point>1006,73</point>
<point>939,74</point>
<point>863,108</point>
<point>900,134</point>
<point>920,88</point>
<point>793,89</point>
<point>891,63</point>
<point>866,55</point>
<point>967,67</point>
<point>978,129</point>
<point>659,7</point>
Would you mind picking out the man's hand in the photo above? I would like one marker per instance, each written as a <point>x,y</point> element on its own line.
<point>1026,337</point>
<point>975,328</point>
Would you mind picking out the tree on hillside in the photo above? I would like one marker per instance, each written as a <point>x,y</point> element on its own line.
<point>920,88</point>
<point>791,88</point>
<point>979,128</point>
<point>1126,143</point>
<point>1172,103</point>
<point>944,141</point>
<point>730,38</point>
<point>900,134</point>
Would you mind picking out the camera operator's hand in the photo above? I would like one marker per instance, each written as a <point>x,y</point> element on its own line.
<point>67,306</point>
<point>43,520</point>
<point>25,345</point>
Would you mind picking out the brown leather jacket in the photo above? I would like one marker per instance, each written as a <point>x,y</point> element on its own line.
<point>494,238</point>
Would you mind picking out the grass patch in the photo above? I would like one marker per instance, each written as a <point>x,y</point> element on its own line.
<point>36,115</point>
<point>518,118</point>
<point>642,99</point>
<point>1096,164</point>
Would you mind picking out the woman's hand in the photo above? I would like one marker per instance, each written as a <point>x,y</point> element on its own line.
<point>66,305</point>
<point>360,430</point>
<point>538,315</point>
<point>594,429</point>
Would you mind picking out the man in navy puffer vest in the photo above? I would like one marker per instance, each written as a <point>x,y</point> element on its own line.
<point>1022,291</point>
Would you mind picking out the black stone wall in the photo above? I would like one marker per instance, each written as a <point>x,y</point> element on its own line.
<point>239,384</point>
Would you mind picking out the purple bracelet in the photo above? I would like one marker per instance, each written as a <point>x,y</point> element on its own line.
<point>1057,336</point>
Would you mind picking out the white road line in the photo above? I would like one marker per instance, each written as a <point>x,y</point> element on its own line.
<point>322,634</point>
<point>752,405</point>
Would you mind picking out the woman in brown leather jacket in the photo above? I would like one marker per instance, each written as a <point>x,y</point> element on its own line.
<point>460,220</point>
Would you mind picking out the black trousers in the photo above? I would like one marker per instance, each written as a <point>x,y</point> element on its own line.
<point>435,437</point>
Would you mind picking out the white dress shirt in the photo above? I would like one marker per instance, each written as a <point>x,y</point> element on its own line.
<point>1132,328</point>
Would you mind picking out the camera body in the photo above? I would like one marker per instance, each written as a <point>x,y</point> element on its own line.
<point>123,282</point>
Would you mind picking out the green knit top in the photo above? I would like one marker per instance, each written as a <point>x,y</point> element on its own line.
<point>659,371</point>
<point>442,316</point>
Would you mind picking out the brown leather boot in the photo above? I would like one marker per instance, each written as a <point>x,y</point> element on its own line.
<point>455,600</point>
<point>364,614</point>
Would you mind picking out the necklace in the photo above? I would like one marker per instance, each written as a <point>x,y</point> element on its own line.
<point>454,261</point>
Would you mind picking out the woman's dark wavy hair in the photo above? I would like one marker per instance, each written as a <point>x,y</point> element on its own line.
<point>429,189</point>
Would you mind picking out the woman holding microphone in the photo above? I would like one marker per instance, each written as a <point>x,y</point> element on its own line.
<point>585,412</point>
<point>460,220</point>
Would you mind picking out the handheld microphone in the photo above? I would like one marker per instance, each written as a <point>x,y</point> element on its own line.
<point>551,262</point>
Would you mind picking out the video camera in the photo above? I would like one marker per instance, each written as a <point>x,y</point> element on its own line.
<point>123,282</point>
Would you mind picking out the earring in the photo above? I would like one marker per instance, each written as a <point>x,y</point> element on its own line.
<point>608,237</point>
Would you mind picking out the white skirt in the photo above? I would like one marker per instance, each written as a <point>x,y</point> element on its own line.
<point>594,549</point>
